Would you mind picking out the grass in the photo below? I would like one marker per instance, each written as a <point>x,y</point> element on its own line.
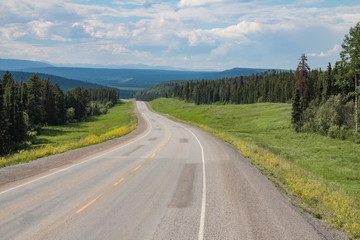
<point>120,120</point>
<point>323,172</point>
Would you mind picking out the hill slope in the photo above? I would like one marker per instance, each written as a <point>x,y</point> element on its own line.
<point>64,83</point>
<point>137,78</point>
<point>16,64</point>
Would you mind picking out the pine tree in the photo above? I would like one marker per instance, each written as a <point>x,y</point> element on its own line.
<point>296,111</point>
<point>60,105</point>
<point>303,81</point>
<point>34,106</point>
<point>4,135</point>
<point>48,102</point>
<point>350,57</point>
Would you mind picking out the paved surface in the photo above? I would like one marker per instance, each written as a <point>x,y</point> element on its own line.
<point>170,181</point>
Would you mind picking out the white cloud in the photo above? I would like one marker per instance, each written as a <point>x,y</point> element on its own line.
<point>40,28</point>
<point>115,49</point>
<point>139,30</point>
<point>196,3</point>
<point>335,50</point>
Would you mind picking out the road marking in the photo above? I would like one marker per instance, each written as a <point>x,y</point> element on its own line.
<point>162,146</point>
<point>88,205</point>
<point>77,164</point>
<point>203,202</point>
<point>118,182</point>
<point>137,168</point>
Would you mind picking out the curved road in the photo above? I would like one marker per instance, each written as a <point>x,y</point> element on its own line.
<point>173,181</point>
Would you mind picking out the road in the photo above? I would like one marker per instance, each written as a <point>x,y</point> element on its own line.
<point>173,181</point>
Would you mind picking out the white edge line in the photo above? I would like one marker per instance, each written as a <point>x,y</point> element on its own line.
<point>64,169</point>
<point>203,202</point>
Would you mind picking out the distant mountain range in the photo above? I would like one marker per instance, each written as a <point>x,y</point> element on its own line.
<point>15,64</point>
<point>122,78</point>
<point>63,83</point>
<point>137,78</point>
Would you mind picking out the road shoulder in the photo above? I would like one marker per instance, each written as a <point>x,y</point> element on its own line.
<point>11,174</point>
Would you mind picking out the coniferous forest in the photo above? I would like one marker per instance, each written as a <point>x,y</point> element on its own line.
<point>323,101</point>
<point>27,106</point>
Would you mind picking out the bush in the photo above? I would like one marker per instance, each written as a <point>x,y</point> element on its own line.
<point>334,117</point>
<point>70,114</point>
<point>97,108</point>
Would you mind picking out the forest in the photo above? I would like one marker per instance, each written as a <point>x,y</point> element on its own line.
<point>27,106</point>
<point>323,101</point>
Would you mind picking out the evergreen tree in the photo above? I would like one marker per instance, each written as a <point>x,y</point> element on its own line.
<point>48,103</point>
<point>303,81</point>
<point>350,57</point>
<point>4,134</point>
<point>34,107</point>
<point>329,82</point>
<point>296,111</point>
<point>60,105</point>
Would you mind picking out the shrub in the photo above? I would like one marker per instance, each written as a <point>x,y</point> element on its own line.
<point>70,114</point>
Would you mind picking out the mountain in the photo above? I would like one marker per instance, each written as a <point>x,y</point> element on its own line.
<point>16,64</point>
<point>63,83</point>
<point>138,78</point>
<point>128,80</point>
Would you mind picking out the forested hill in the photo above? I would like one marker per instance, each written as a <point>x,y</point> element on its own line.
<point>138,78</point>
<point>64,83</point>
<point>269,86</point>
<point>17,64</point>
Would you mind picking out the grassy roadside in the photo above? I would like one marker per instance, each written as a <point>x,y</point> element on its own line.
<point>120,120</point>
<point>323,172</point>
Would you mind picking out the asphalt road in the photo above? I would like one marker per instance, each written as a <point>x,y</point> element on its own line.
<point>172,181</point>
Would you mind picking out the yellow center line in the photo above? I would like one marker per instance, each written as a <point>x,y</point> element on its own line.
<point>153,155</point>
<point>118,182</point>
<point>87,205</point>
<point>137,168</point>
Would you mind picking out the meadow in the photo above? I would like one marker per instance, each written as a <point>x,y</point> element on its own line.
<point>323,172</point>
<point>120,120</point>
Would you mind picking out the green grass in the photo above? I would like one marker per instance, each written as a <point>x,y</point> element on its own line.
<point>120,120</point>
<point>319,170</point>
<point>117,116</point>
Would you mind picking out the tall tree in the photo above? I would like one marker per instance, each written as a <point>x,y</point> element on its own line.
<point>4,135</point>
<point>329,82</point>
<point>303,81</point>
<point>296,111</point>
<point>60,105</point>
<point>48,102</point>
<point>350,56</point>
<point>34,106</point>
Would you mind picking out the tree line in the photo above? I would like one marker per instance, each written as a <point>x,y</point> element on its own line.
<point>27,106</point>
<point>270,86</point>
<point>323,101</point>
<point>327,102</point>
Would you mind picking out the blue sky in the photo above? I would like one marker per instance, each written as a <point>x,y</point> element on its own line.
<point>191,34</point>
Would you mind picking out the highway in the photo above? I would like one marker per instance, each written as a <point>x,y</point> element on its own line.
<point>172,181</point>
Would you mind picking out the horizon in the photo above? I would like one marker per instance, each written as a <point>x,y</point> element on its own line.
<point>197,35</point>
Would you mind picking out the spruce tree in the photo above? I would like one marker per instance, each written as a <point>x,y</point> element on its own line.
<point>350,57</point>
<point>60,105</point>
<point>296,114</point>
<point>4,141</point>
<point>34,106</point>
<point>303,82</point>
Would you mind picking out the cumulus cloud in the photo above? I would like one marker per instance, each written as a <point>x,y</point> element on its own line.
<point>115,49</point>
<point>196,3</point>
<point>168,30</point>
<point>335,50</point>
<point>40,28</point>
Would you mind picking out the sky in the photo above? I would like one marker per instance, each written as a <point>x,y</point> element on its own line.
<point>187,34</point>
